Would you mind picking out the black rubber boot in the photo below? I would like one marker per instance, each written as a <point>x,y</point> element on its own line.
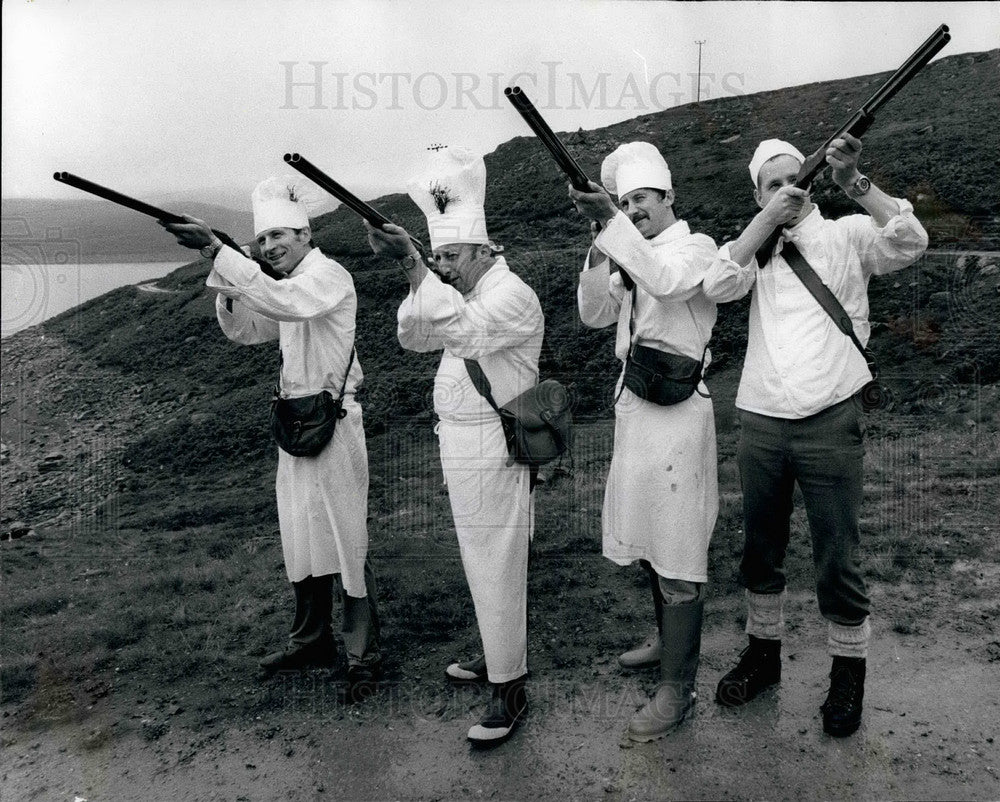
<point>759,667</point>
<point>310,643</point>
<point>842,708</point>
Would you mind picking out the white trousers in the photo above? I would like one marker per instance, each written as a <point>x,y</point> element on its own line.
<point>491,505</point>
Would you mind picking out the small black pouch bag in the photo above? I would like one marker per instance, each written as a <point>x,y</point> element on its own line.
<point>303,426</point>
<point>660,377</point>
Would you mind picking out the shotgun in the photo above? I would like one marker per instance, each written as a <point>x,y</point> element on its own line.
<point>861,120</point>
<point>563,157</point>
<point>374,217</point>
<point>152,211</point>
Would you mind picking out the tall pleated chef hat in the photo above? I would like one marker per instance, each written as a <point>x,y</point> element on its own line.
<point>282,201</point>
<point>451,192</point>
<point>767,150</point>
<point>635,165</point>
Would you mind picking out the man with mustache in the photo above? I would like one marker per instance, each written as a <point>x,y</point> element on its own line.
<point>474,309</point>
<point>644,273</point>
<point>800,412</point>
<point>322,499</point>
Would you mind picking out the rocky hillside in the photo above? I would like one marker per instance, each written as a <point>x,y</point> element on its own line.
<point>138,390</point>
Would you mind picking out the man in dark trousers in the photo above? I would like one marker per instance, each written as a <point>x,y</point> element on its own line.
<point>799,407</point>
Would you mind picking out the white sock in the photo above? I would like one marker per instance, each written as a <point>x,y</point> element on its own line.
<point>848,641</point>
<point>765,615</point>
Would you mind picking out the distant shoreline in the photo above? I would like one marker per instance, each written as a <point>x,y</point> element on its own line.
<point>106,260</point>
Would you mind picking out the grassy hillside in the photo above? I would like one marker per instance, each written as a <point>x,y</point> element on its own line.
<point>135,441</point>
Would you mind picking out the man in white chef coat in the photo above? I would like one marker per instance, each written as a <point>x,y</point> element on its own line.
<point>474,309</point>
<point>799,404</point>
<point>643,274</point>
<point>322,499</point>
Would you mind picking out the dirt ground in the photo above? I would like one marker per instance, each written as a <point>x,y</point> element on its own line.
<point>929,732</point>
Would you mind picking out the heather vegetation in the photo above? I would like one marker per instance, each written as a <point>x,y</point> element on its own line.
<point>136,447</point>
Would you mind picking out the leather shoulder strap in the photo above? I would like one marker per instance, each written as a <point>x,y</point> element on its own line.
<point>480,382</point>
<point>825,297</point>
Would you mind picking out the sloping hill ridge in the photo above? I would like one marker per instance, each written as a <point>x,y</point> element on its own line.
<point>150,374</point>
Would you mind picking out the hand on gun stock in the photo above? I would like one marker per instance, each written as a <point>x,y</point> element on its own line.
<point>843,155</point>
<point>785,206</point>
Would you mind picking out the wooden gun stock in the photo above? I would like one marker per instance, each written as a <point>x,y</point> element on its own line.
<point>374,217</point>
<point>862,120</point>
<point>151,211</point>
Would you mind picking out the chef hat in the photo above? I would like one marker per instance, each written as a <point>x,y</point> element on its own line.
<point>767,150</point>
<point>451,192</point>
<point>634,165</point>
<point>283,201</point>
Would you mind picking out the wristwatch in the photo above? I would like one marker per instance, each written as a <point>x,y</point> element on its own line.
<point>859,188</point>
<point>410,261</point>
<point>211,250</point>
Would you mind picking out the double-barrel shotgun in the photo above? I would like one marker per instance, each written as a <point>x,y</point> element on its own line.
<point>374,217</point>
<point>577,177</point>
<point>862,119</point>
<point>152,211</point>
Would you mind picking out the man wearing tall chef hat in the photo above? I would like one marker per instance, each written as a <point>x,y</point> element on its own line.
<point>643,274</point>
<point>322,499</point>
<point>484,318</point>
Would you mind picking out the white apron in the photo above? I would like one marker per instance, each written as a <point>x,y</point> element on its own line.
<point>323,507</point>
<point>662,499</point>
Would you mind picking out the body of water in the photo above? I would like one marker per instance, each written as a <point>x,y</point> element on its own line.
<point>34,293</point>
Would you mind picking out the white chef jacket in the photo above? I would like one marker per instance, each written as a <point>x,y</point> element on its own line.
<point>322,500</point>
<point>661,499</point>
<point>499,324</point>
<point>798,362</point>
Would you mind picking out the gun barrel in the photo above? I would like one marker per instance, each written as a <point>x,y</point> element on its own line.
<point>902,76</point>
<point>116,197</point>
<point>519,100</point>
<point>341,193</point>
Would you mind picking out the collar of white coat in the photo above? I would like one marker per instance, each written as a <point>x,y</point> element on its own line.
<point>487,279</point>
<point>672,232</point>
<point>805,227</point>
<point>313,255</point>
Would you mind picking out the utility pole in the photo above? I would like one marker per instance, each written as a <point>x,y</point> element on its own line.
<point>699,42</point>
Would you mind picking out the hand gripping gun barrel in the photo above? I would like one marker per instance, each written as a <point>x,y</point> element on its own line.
<point>152,211</point>
<point>862,119</point>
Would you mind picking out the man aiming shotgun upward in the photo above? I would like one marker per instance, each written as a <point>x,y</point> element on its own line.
<point>480,314</point>
<point>799,406</point>
<point>323,497</point>
<point>661,498</point>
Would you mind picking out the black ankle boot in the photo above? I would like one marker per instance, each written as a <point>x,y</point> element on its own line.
<point>842,708</point>
<point>758,668</point>
<point>507,707</point>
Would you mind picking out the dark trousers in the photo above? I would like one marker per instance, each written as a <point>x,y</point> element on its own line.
<point>824,453</point>
<point>360,625</point>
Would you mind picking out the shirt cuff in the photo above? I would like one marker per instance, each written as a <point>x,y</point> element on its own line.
<point>725,257</point>
<point>901,222</point>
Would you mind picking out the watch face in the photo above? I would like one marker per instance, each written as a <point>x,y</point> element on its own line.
<point>862,185</point>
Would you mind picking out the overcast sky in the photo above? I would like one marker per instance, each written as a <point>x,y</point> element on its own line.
<point>164,97</point>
